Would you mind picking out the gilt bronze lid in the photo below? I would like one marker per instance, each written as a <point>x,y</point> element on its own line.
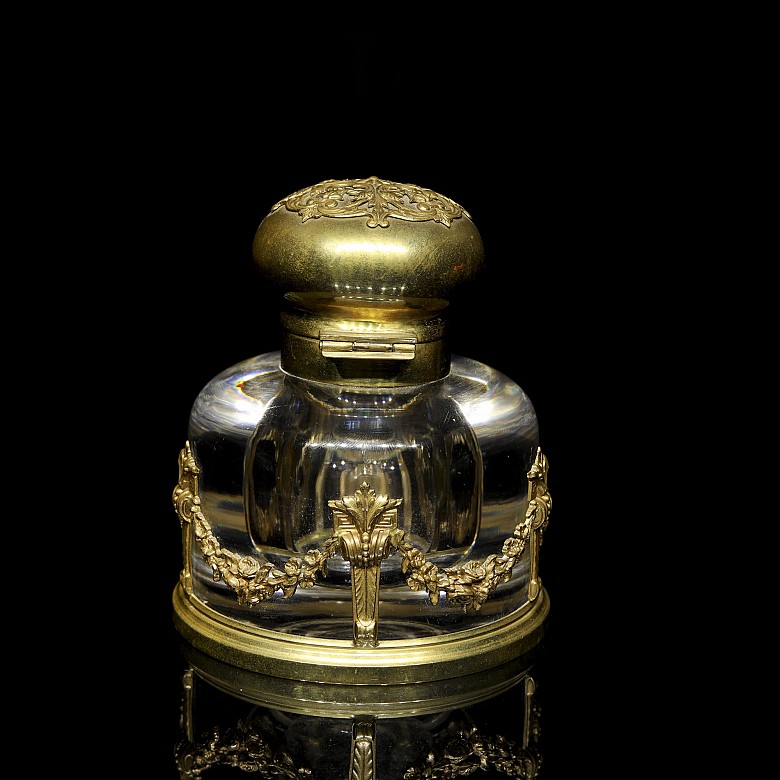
<point>368,237</point>
<point>367,267</point>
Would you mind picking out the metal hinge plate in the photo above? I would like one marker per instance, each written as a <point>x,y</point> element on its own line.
<point>372,346</point>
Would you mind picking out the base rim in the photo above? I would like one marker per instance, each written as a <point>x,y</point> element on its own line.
<point>338,662</point>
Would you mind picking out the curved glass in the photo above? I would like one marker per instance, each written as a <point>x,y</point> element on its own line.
<point>275,451</point>
<point>317,443</point>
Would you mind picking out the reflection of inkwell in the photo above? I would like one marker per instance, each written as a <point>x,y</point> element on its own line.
<point>235,722</point>
<point>363,508</point>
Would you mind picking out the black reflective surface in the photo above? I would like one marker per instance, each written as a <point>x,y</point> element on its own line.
<point>165,718</point>
<point>222,732</point>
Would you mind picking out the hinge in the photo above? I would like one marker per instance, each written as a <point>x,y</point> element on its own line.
<point>374,346</point>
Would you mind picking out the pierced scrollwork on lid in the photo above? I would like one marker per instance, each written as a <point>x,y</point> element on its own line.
<point>377,199</point>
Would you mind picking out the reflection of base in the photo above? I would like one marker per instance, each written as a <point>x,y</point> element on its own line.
<point>348,701</point>
<point>339,662</point>
<point>498,732</point>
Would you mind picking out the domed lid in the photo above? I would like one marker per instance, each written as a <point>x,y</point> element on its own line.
<point>367,267</point>
<point>368,237</point>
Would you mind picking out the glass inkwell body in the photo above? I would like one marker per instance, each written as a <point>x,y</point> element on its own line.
<point>361,506</point>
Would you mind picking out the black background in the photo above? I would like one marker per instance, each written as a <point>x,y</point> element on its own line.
<point>558,308</point>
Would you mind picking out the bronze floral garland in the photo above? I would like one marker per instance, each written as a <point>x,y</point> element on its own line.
<point>468,585</point>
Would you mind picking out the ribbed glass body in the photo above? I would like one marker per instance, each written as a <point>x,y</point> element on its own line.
<point>277,453</point>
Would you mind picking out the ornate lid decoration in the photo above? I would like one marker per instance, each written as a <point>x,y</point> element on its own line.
<point>323,239</point>
<point>374,198</point>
